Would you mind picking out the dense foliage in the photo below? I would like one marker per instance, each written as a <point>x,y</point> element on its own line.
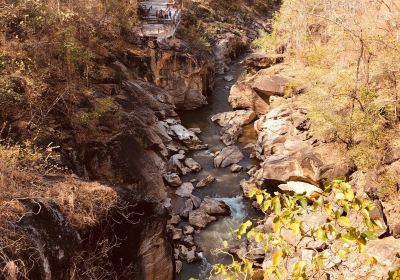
<point>344,225</point>
<point>347,54</point>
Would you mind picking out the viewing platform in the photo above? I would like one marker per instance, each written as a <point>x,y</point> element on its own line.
<point>159,18</point>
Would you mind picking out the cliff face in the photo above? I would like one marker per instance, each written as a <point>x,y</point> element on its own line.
<point>108,106</point>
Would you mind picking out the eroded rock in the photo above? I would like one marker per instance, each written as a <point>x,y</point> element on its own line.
<point>205,181</point>
<point>229,155</point>
<point>173,179</point>
<point>185,190</point>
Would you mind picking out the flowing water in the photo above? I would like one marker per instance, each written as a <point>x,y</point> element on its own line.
<point>226,187</point>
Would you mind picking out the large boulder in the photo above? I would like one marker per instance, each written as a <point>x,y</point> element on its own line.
<point>239,117</point>
<point>205,215</point>
<point>185,190</point>
<point>257,61</point>
<point>242,96</point>
<point>215,207</point>
<point>200,219</point>
<point>289,153</point>
<point>192,164</point>
<point>173,179</point>
<point>229,155</point>
<point>300,188</point>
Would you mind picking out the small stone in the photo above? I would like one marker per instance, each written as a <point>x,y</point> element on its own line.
<point>185,190</point>
<point>176,253</point>
<point>173,179</point>
<point>188,240</point>
<point>248,168</point>
<point>200,219</point>
<point>196,201</point>
<point>182,152</point>
<point>193,181</point>
<point>215,207</point>
<point>174,220</point>
<point>228,156</point>
<point>228,78</point>
<point>235,168</point>
<point>176,233</point>
<point>192,164</point>
<point>205,181</point>
<point>191,255</point>
<point>178,266</point>
<point>187,209</point>
<point>195,130</point>
<point>188,230</point>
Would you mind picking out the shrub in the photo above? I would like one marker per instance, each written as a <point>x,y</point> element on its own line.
<point>348,227</point>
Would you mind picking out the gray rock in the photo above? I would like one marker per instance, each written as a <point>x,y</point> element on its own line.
<point>192,164</point>
<point>174,165</point>
<point>173,179</point>
<point>174,220</point>
<point>188,230</point>
<point>176,233</point>
<point>300,188</point>
<point>239,117</point>
<point>235,168</point>
<point>229,155</point>
<point>228,78</point>
<point>195,130</point>
<point>196,201</point>
<point>188,240</point>
<point>178,266</point>
<point>205,181</point>
<point>187,255</point>
<point>187,208</point>
<point>215,207</point>
<point>230,134</point>
<point>200,219</point>
<point>185,190</point>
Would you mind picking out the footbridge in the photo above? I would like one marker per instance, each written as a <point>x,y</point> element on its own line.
<point>159,19</point>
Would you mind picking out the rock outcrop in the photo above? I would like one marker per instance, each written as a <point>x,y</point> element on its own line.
<point>228,156</point>
<point>206,214</point>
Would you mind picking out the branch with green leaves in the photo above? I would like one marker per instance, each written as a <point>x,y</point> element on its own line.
<point>289,227</point>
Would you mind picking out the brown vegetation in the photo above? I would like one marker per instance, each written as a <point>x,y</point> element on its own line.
<point>346,53</point>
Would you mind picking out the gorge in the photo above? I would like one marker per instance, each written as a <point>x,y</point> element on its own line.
<point>258,141</point>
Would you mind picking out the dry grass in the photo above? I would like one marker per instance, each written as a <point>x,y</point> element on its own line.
<point>84,204</point>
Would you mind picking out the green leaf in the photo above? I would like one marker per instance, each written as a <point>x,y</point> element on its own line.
<point>295,227</point>
<point>298,269</point>
<point>276,204</point>
<point>253,192</point>
<point>243,228</point>
<point>266,205</point>
<point>343,253</point>
<point>248,267</point>
<point>303,203</point>
<point>348,238</point>
<point>344,221</point>
<point>349,194</point>
<point>259,198</point>
<point>321,234</point>
<point>370,235</point>
<point>319,261</point>
<point>277,225</point>
<point>277,258</point>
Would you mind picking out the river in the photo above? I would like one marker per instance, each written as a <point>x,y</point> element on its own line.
<point>227,184</point>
